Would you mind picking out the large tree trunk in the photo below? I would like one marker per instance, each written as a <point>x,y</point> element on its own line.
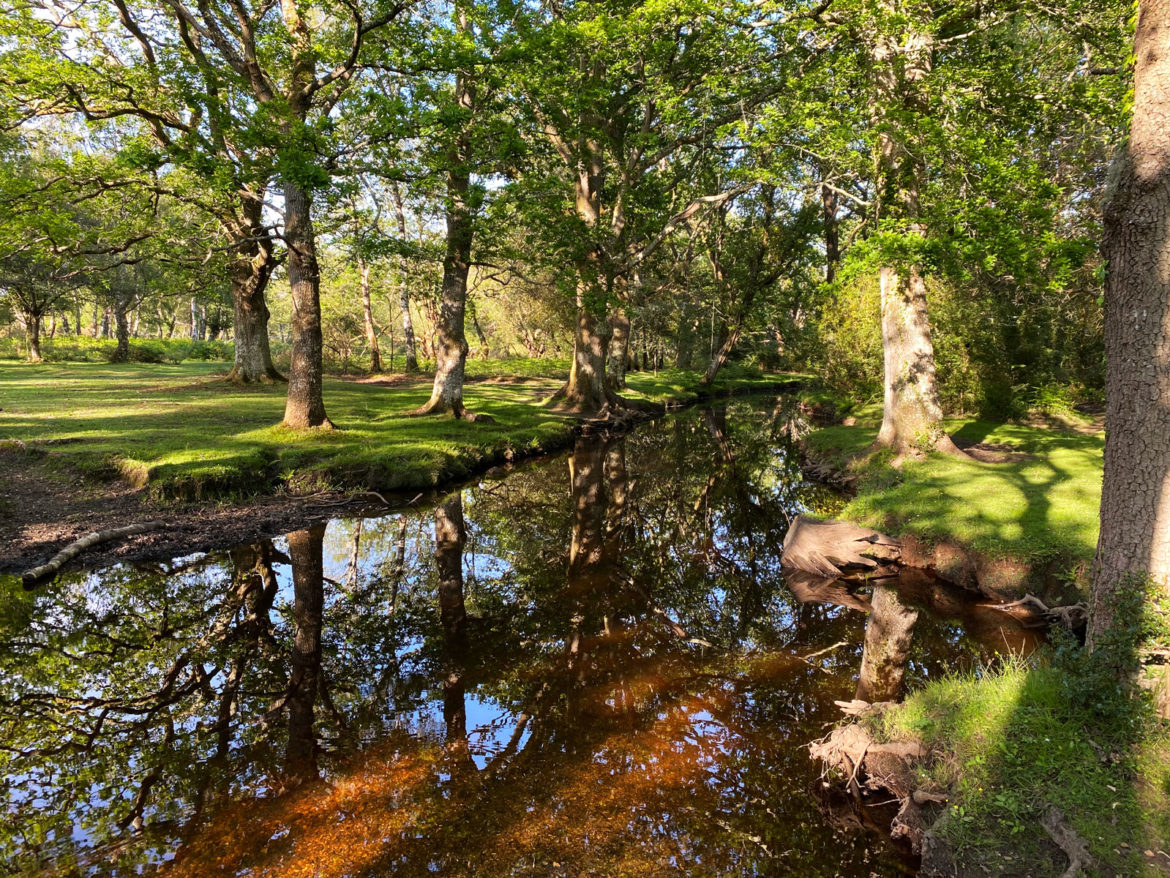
<point>250,271</point>
<point>587,392</point>
<point>451,339</point>
<point>1135,499</point>
<point>306,552</point>
<point>408,342</point>
<point>619,347</point>
<point>368,314</point>
<point>305,406</point>
<point>912,416</point>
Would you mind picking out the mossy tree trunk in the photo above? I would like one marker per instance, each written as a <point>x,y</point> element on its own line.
<point>305,549</point>
<point>1134,542</point>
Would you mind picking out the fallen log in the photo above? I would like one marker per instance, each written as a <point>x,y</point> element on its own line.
<point>839,549</point>
<point>75,548</point>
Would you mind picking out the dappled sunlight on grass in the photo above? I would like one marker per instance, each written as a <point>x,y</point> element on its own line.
<point>1043,506</point>
<point>182,430</point>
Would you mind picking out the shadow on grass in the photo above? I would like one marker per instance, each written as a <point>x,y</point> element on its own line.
<point>1051,759</point>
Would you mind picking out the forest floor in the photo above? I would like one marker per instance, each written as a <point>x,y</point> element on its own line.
<point>85,446</point>
<point>1016,742</point>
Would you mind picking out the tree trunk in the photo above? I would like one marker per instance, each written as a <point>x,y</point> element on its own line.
<point>122,331</point>
<point>32,328</point>
<point>832,233</point>
<point>587,392</point>
<point>912,416</point>
<point>305,406</point>
<point>619,347</point>
<point>306,552</point>
<point>250,272</point>
<point>485,350</point>
<point>450,536</point>
<point>408,342</point>
<point>368,314</point>
<point>1135,501</point>
<point>451,340</point>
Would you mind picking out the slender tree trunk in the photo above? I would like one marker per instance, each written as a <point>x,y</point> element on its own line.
<point>52,326</point>
<point>912,416</point>
<point>305,406</point>
<point>408,342</point>
<point>306,552</point>
<point>368,314</point>
<point>829,205</point>
<point>32,328</point>
<point>484,346</point>
<point>122,331</point>
<point>105,323</point>
<point>251,270</point>
<point>1135,501</point>
<point>450,536</point>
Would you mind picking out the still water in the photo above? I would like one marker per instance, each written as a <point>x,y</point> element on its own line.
<point>589,666</point>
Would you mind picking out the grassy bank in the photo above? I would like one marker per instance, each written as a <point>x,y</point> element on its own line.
<point>181,431</point>
<point>1056,732</point>
<point>1040,505</point>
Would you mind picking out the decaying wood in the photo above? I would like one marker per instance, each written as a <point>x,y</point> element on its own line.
<point>811,588</point>
<point>887,767</point>
<point>839,549</point>
<point>75,548</point>
<point>1067,840</point>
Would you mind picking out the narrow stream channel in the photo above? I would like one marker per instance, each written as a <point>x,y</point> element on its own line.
<point>590,666</point>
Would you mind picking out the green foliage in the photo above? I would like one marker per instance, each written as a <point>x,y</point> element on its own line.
<point>83,349</point>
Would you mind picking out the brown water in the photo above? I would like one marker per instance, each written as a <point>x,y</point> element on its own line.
<point>590,666</point>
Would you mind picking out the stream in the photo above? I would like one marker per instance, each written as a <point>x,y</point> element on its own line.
<point>590,665</point>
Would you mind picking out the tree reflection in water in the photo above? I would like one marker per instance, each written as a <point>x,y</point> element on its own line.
<point>593,672</point>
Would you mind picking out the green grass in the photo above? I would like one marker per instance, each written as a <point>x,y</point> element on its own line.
<point>181,431</point>
<point>1010,744</point>
<point>1042,508</point>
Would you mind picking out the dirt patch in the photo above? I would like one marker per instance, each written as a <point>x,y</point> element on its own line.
<point>991,452</point>
<point>43,507</point>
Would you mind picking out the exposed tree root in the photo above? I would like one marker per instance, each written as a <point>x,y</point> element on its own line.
<point>270,376</point>
<point>1073,617</point>
<point>75,548</point>
<point>869,766</point>
<point>1067,840</point>
<point>458,412</point>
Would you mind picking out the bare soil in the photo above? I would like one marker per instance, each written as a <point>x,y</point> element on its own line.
<point>44,507</point>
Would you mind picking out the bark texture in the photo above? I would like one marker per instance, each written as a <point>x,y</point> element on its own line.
<point>1135,500</point>
<point>250,272</point>
<point>912,416</point>
<point>305,406</point>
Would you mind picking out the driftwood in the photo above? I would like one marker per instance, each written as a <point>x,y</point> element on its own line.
<point>839,549</point>
<point>75,548</point>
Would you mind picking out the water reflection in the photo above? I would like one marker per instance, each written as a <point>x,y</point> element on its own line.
<point>593,666</point>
